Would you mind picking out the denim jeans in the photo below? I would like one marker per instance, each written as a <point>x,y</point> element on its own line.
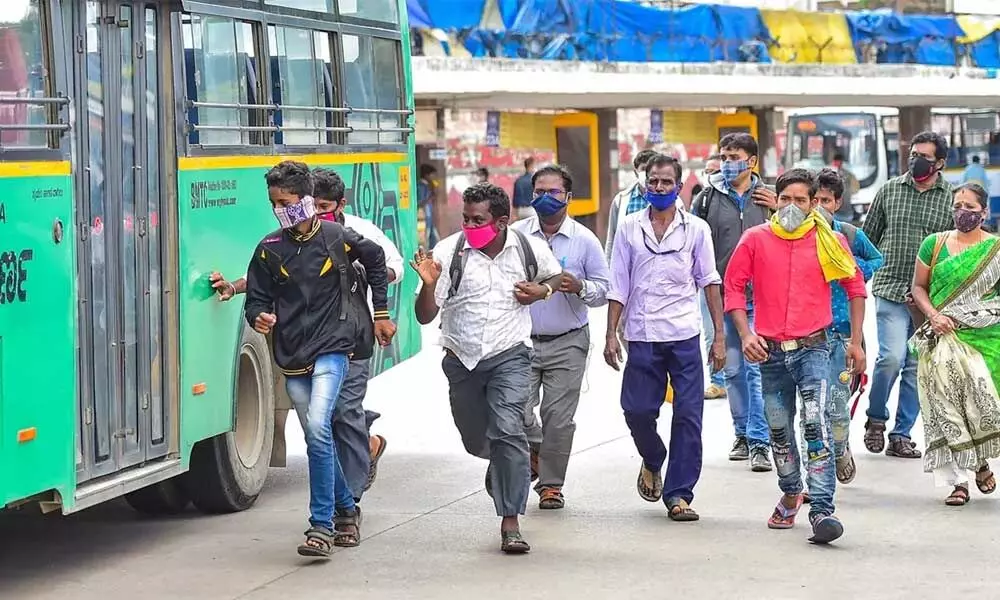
<point>315,398</point>
<point>746,402</point>
<point>840,395</point>
<point>718,378</point>
<point>804,371</point>
<point>894,330</point>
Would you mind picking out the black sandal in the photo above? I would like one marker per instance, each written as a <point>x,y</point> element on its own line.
<point>511,542</point>
<point>681,511</point>
<point>875,436</point>
<point>318,544</point>
<point>958,497</point>
<point>901,447</point>
<point>985,480</point>
<point>348,529</point>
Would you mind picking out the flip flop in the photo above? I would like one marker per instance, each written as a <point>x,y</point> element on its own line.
<point>681,511</point>
<point>649,494</point>
<point>783,517</point>
<point>373,468</point>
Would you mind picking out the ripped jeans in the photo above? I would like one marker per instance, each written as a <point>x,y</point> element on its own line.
<point>805,371</point>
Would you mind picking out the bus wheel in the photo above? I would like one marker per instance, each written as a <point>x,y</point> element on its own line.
<point>164,498</point>
<point>228,471</point>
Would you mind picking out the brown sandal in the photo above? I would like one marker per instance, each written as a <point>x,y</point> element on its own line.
<point>985,480</point>
<point>901,447</point>
<point>681,511</point>
<point>875,436</point>
<point>347,529</point>
<point>958,497</point>
<point>551,499</point>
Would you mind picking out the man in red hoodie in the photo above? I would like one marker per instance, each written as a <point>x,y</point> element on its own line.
<point>790,262</point>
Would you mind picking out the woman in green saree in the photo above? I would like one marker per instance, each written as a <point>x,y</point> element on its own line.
<point>958,348</point>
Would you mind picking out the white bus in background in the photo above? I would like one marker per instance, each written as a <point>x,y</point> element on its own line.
<point>868,137</point>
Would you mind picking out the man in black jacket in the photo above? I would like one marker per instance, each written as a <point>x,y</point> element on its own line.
<point>296,285</point>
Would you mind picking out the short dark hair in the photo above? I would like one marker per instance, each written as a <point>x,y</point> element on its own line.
<point>838,156</point>
<point>975,159</point>
<point>487,192</point>
<point>831,180</point>
<point>981,195</point>
<point>643,157</point>
<point>529,162</point>
<point>291,176</point>
<point>328,185</point>
<point>929,137</point>
<point>426,170</point>
<point>659,160</point>
<point>554,169</point>
<point>793,176</point>
<point>483,171</point>
<point>739,141</point>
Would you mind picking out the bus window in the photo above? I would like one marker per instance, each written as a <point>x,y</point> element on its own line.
<point>375,10</point>
<point>323,6</point>
<point>220,66</point>
<point>816,139</point>
<point>372,86</point>
<point>298,61</point>
<point>23,74</point>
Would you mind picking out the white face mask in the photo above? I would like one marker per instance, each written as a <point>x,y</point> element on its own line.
<point>641,176</point>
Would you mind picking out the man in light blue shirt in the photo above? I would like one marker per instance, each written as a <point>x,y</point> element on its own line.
<point>976,173</point>
<point>560,331</point>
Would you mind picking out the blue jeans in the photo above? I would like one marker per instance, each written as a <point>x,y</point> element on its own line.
<point>840,395</point>
<point>894,330</point>
<point>746,403</point>
<point>718,378</point>
<point>804,371</point>
<point>315,398</point>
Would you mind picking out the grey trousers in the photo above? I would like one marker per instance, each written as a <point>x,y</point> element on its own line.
<point>556,378</point>
<point>350,428</point>
<point>487,404</point>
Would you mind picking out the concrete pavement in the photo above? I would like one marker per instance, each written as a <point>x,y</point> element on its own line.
<point>430,532</point>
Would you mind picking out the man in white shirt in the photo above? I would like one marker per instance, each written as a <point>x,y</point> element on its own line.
<point>629,200</point>
<point>482,281</point>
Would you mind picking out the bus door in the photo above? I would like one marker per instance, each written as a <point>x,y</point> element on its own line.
<point>123,419</point>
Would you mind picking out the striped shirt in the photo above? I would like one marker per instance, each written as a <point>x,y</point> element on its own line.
<point>898,221</point>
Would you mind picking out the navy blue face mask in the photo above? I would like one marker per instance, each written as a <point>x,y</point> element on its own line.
<point>547,205</point>
<point>662,201</point>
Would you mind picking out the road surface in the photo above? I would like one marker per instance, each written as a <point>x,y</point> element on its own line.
<point>430,532</point>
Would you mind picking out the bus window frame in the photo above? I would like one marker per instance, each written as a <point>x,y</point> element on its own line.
<point>871,118</point>
<point>56,54</point>
<point>260,20</point>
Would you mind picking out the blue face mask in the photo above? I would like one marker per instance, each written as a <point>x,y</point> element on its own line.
<point>662,201</point>
<point>732,169</point>
<point>547,205</point>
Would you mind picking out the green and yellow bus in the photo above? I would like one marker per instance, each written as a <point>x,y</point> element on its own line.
<point>134,136</point>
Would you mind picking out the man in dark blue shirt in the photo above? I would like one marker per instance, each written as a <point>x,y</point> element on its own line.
<point>524,191</point>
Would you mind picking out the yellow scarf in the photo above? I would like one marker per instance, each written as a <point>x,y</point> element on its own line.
<point>837,263</point>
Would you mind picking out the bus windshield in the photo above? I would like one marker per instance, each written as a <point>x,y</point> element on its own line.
<point>814,140</point>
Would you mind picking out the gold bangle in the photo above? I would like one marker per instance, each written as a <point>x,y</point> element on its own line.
<point>550,292</point>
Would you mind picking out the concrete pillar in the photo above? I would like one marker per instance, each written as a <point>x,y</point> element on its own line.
<point>912,120</point>
<point>767,124</point>
<point>607,160</point>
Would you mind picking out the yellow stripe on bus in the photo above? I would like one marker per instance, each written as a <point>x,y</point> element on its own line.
<point>34,168</point>
<point>191,163</point>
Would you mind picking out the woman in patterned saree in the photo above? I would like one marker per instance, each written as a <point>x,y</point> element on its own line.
<point>958,348</point>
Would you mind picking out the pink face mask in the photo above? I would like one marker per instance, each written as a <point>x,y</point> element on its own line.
<point>480,237</point>
<point>332,217</point>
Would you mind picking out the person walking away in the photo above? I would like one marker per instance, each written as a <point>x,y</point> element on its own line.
<point>830,194</point>
<point>425,197</point>
<point>904,211</point>
<point>482,280</point>
<point>523,191</point>
<point>630,200</point>
<point>976,173</point>
<point>845,213</point>
<point>958,366</point>
<point>293,290</point>
<point>663,257</point>
<point>735,201</point>
<point>789,339</point>
<point>560,330</point>
<point>717,382</point>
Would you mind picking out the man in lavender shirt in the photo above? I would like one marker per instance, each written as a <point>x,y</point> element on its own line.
<point>560,331</point>
<point>662,257</point>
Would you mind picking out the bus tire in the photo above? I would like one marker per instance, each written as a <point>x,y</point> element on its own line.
<point>228,471</point>
<point>167,497</point>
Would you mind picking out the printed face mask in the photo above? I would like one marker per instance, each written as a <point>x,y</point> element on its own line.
<point>294,214</point>
<point>732,169</point>
<point>547,205</point>
<point>480,237</point>
<point>791,217</point>
<point>967,220</point>
<point>661,201</point>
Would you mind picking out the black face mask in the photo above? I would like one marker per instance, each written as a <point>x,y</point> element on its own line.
<point>921,168</point>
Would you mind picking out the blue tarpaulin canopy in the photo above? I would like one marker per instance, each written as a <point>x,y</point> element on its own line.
<point>923,39</point>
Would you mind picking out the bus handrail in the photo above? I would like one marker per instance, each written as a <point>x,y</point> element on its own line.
<point>326,109</point>
<point>36,127</point>
<point>327,129</point>
<point>233,105</point>
<point>43,101</point>
<point>270,128</point>
<point>380,111</point>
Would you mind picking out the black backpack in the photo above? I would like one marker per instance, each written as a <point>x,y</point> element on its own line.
<point>459,258</point>
<point>354,312</point>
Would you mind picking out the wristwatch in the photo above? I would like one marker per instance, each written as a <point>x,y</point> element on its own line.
<point>583,289</point>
